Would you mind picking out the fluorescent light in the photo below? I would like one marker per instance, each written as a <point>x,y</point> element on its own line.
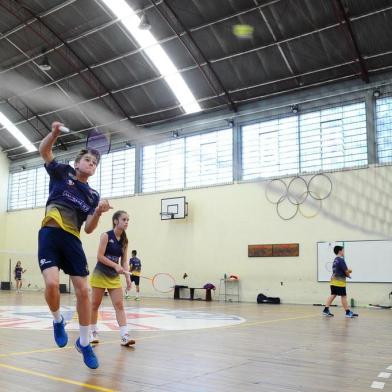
<point>156,54</point>
<point>18,135</point>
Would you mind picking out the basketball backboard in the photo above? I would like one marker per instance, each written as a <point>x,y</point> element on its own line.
<point>174,208</point>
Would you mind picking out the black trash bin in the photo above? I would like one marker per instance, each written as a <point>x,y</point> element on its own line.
<point>5,285</point>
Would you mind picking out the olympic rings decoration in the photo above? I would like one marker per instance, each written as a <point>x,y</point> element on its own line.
<point>291,190</point>
<point>283,214</point>
<point>316,211</point>
<point>329,186</point>
<point>296,193</point>
<point>272,188</point>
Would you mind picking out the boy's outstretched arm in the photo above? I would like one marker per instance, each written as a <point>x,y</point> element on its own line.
<point>46,145</point>
<point>92,220</point>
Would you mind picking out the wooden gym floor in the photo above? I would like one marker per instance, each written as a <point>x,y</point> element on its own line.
<point>277,348</point>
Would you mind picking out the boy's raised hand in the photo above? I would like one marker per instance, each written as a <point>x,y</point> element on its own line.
<point>103,206</point>
<point>56,128</point>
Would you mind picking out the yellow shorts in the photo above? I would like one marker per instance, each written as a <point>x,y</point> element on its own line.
<point>100,280</point>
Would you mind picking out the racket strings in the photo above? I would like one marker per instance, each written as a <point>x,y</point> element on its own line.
<point>99,142</point>
<point>163,283</point>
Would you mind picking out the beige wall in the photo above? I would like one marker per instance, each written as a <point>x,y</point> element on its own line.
<point>4,169</point>
<point>224,220</point>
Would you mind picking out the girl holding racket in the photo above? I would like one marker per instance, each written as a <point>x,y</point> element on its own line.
<point>112,261</point>
<point>71,202</point>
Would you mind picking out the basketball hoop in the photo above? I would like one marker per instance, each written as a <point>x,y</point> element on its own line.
<point>166,215</point>
<point>174,208</point>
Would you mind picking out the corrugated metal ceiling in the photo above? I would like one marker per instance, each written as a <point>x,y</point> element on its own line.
<point>97,67</point>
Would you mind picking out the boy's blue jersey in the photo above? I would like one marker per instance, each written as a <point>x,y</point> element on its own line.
<point>135,265</point>
<point>339,269</point>
<point>70,201</point>
<point>113,251</point>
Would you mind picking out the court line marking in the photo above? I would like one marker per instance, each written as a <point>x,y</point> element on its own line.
<point>102,389</point>
<point>377,385</point>
<point>54,378</point>
<point>246,324</point>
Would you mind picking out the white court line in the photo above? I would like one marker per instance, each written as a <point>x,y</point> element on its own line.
<point>384,375</point>
<point>389,367</point>
<point>377,385</point>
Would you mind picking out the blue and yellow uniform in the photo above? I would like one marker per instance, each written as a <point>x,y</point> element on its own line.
<point>338,278</point>
<point>135,266</point>
<point>69,203</point>
<point>18,273</point>
<point>103,276</point>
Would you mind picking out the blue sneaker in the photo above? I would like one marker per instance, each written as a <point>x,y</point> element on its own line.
<point>89,357</point>
<point>60,336</point>
<point>350,314</point>
<point>327,313</point>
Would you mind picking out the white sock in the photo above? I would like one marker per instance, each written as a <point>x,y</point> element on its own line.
<point>57,316</point>
<point>137,294</point>
<point>84,335</point>
<point>93,328</point>
<point>123,330</point>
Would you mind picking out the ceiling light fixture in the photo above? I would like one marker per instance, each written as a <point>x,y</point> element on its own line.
<point>45,65</point>
<point>294,109</point>
<point>144,23</point>
<point>18,135</point>
<point>160,59</point>
<point>376,93</point>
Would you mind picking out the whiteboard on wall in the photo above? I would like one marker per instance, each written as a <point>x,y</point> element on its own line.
<point>371,261</point>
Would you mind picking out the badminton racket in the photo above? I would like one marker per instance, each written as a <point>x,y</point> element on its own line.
<point>162,282</point>
<point>96,140</point>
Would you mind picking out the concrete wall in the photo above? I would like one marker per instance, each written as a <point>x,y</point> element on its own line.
<point>224,220</point>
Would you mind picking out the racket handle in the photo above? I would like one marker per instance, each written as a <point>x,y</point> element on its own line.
<point>64,129</point>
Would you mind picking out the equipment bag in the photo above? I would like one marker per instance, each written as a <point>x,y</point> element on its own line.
<point>263,299</point>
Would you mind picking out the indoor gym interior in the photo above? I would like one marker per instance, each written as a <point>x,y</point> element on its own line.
<point>247,139</point>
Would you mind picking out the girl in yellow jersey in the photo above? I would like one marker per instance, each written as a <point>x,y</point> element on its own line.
<point>112,261</point>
